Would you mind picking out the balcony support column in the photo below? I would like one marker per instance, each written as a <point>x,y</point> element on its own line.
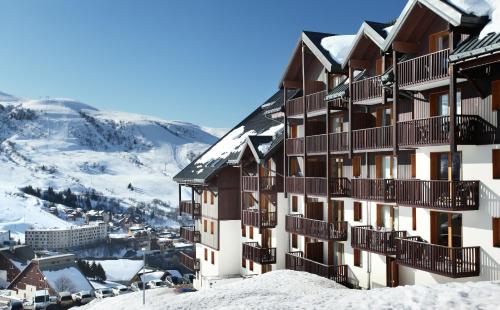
<point>327,80</point>
<point>395,99</point>
<point>455,159</point>
<point>285,157</point>
<point>304,120</point>
<point>349,109</point>
<point>180,198</point>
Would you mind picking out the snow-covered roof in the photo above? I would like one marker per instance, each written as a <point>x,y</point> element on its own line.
<point>120,270</point>
<point>151,276</point>
<point>226,151</point>
<point>490,8</point>
<point>66,279</point>
<point>338,46</point>
<point>20,255</point>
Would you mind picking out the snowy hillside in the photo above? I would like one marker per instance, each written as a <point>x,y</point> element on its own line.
<point>288,289</point>
<point>63,143</point>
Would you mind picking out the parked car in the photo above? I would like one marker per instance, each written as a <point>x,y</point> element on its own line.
<point>82,297</point>
<point>155,284</point>
<point>65,299</point>
<point>103,293</point>
<point>137,286</point>
<point>16,305</point>
<point>40,300</point>
<point>119,290</point>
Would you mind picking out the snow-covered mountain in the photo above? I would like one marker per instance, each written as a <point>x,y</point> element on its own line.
<point>63,143</point>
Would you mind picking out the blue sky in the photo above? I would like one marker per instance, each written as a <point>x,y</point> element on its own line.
<point>206,62</point>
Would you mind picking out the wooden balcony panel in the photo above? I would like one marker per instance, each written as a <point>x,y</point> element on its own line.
<point>297,261</point>
<point>338,104</point>
<point>295,107</point>
<point>339,142</point>
<point>454,262</point>
<point>271,183</point>
<point>340,187</point>
<point>189,234</point>
<point>381,242</point>
<point>295,146</point>
<point>316,186</point>
<point>250,183</point>
<point>294,185</point>
<point>187,207</point>
<point>316,102</point>
<point>254,252</point>
<point>367,91</point>
<point>189,262</point>
<point>297,224</point>
<point>259,218</point>
<point>443,195</point>
<point>377,138</point>
<point>316,144</point>
<point>424,69</point>
<point>374,189</point>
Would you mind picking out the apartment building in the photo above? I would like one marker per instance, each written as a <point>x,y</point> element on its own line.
<point>391,156</point>
<point>66,238</point>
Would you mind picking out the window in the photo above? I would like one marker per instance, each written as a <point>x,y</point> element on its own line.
<point>358,211</point>
<point>295,203</point>
<point>294,241</point>
<point>205,197</point>
<point>212,198</point>
<point>206,254</point>
<point>496,232</point>
<point>204,225</point>
<point>251,265</point>
<point>212,228</point>
<point>212,258</point>
<point>414,218</point>
<point>243,231</point>
<point>495,95</point>
<point>251,232</point>
<point>243,263</point>
<point>439,41</point>
<point>496,164</point>
<point>357,258</point>
<point>356,166</point>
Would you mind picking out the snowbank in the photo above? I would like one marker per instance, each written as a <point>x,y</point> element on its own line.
<point>286,289</point>
<point>338,46</point>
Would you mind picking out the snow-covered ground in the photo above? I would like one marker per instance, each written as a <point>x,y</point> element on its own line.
<point>286,289</point>
<point>64,143</point>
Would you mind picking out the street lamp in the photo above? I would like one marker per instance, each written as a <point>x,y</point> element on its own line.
<point>45,294</point>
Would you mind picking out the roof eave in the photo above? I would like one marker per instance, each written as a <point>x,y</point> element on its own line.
<point>365,29</point>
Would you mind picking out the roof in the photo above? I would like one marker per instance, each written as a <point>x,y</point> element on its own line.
<point>443,8</point>
<point>65,276</point>
<point>262,146</point>
<point>20,256</point>
<point>475,47</point>
<point>226,151</point>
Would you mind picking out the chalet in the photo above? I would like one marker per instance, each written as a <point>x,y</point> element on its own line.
<point>14,259</point>
<point>55,274</point>
<point>385,171</point>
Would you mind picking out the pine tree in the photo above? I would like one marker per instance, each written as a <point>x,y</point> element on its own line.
<point>93,270</point>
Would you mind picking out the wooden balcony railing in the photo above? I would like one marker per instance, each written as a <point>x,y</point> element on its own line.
<point>297,224</point>
<point>259,218</point>
<point>271,183</point>
<point>296,261</point>
<point>372,138</point>
<point>250,183</point>
<point>316,186</point>
<point>294,185</point>
<point>454,262</point>
<point>316,102</point>
<point>189,234</point>
<point>423,69</point>
<point>295,107</point>
<point>374,189</point>
<point>339,142</point>
<point>367,89</point>
<point>381,242</point>
<point>316,144</point>
<point>263,256</point>
<point>470,129</point>
<point>444,195</point>
<point>295,146</point>
<point>340,187</point>
<point>189,262</point>
<point>338,104</point>
<point>187,207</point>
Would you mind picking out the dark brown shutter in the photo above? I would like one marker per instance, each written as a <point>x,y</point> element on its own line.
<point>495,95</point>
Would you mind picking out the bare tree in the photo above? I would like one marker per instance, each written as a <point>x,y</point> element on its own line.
<point>64,284</point>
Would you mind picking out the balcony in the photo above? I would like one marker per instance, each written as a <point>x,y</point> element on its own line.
<point>259,218</point>
<point>266,183</point>
<point>340,187</point>
<point>295,146</point>
<point>367,91</point>
<point>294,185</point>
<point>380,242</point>
<point>442,195</point>
<point>453,262</point>
<point>315,103</point>
<point>264,256</point>
<point>316,186</point>
<point>296,261</point>
<point>376,139</point>
<point>316,144</point>
<point>295,107</point>
<point>189,262</point>
<point>374,189</point>
<point>189,234</point>
<point>470,130</point>
<point>339,142</point>
<point>186,207</point>
<point>297,224</point>
<point>430,69</point>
